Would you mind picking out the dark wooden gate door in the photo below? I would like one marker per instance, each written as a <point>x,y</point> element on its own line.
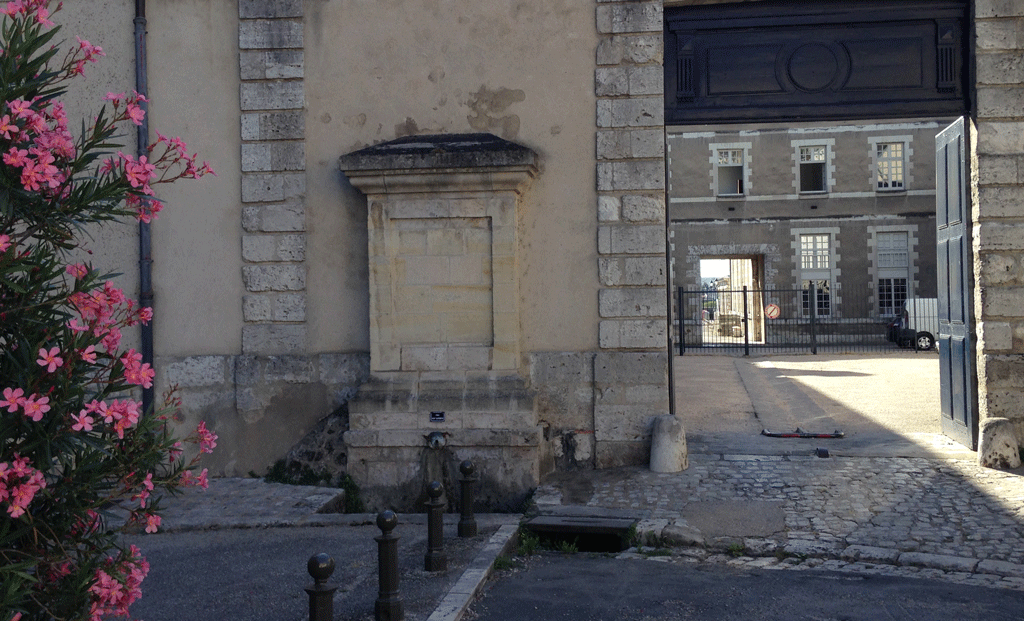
<point>957,379</point>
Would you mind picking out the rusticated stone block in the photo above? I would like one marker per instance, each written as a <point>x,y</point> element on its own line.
<point>274,277</point>
<point>632,271</point>
<point>274,218</point>
<point>277,95</point>
<point>198,371</point>
<point>631,17</point>
<point>265,34</point>
<point>632,302</point>
<point>254,9</point>
<point>273,126</point>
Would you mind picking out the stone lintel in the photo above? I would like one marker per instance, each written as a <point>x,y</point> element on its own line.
<point>413,181</point>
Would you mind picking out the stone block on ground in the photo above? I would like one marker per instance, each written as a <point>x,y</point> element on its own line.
<point>998,446</point>
<point>668,445</point>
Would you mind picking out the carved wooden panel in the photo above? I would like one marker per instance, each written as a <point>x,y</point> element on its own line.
<point>803,60</point>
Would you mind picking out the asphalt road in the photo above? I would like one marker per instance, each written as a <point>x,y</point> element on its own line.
<point>259,574</point>
<point>584,587</point>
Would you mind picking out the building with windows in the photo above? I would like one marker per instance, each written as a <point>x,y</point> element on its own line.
<point>840,217</point>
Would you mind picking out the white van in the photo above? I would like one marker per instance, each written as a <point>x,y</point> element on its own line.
<point>919,323</point>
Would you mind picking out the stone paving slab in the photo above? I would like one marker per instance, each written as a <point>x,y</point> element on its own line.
<point>949,516</point>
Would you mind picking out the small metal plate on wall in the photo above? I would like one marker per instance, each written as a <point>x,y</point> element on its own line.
<point>437,417</point>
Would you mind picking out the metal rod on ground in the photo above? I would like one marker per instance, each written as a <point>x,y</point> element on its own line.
<point>467,524</point>
<point>681,319</point>
<point>388,606</point>
<point>321,596</point>
<point>435,559</point>
<point>746,324</point>
<point>814,315</point>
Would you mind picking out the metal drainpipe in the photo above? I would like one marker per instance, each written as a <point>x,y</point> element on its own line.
<point>145,240</point>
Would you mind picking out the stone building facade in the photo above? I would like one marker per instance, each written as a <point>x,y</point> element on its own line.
<point>264,310</point>
<point>847,206</point>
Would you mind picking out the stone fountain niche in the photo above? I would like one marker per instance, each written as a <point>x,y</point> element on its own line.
<point>443,223</point>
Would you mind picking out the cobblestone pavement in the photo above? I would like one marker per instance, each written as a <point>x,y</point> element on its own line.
<point>940,517</point>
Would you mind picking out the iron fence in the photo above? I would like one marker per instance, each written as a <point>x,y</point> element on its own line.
<point>815,319</point>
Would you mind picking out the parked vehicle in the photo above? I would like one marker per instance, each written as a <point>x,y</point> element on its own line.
<point>918,323</point>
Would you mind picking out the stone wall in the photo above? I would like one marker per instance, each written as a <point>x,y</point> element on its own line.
<point>998,199</point>
<point>270,40</point>
<point>631,369</point>
<point>263,406</point>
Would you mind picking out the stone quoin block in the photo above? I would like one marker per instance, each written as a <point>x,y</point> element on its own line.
<point>643,208</point>
<point>998,8</point>
<point>632,334</point>
<point>290,307</point>
<point>997,34</point>
<point>254,9</point>
<point>631,239</point>
<point>274,277</point>
<point>1000,102</point>
<point>631,112</point>
<point>632,302</point>
<point>271,65</point>
<point>636,49</point>
<point>276,95</point>
<point>1000,170</point>
<point>266,34</point>
<point>256,308</point>
<point>1002,202</point>
<point>1000,138</point>
<point>630,175</point>
<point>608,208</point>
<point>635,271</point>
<point>274,218</point>
<point>273,248</point>
<point>1000,68</point>
<point>632,17</point>
<point>273,126</point>
<point>266,188</point>
<point>611,81</point>
<point>273,156</point>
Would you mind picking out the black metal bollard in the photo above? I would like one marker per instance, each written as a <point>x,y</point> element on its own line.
<point>389,601</point>
<point>467,524</point>
<point>435,559</point>
<point>321,596</point>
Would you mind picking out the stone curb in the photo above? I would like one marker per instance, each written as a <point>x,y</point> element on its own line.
<point>453,606</point>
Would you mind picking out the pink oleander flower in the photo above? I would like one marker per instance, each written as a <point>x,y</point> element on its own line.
<point>135,113</point>
<point>152,523</point>
<point>16,157</point>
<point>13,398</point>
<point>20,108</point>
<point>89,354</point>
<point>188,479</point>
<point>74,326</point>
<point>50,359</point>
<point>5,243</point>
<point>207,439</point>
<point>115,98</point>
<point>34,407</point>
<point>7,127</point>
<point>83,422</point>
<point>78,270</point>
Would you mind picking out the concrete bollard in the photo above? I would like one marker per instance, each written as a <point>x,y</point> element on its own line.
<point>321,596</point>
<point>388,606</point>
<point>668,445</point>
<point>435,559</point>
<point>467,523</point>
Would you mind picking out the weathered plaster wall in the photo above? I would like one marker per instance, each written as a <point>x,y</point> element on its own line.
<point>107,23</point>
<point>448,67</point>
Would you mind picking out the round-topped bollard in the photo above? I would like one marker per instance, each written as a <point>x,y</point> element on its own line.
<point>388,606</point>
<point>321,596</point>
<point>467,523</point>
<point>435,559</point>
<point>320,567</point>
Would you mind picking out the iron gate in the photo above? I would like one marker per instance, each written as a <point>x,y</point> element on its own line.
<point>791,320</point>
